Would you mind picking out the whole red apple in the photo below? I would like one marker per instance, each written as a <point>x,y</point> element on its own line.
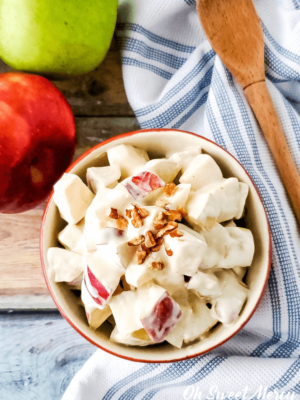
<point>37,140</point>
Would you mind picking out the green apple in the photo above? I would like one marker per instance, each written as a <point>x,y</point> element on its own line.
<point>56,36</point>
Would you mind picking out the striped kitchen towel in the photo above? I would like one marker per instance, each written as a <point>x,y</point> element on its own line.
<point>173,79</point>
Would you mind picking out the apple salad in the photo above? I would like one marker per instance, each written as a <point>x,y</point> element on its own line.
<point>153,246</point>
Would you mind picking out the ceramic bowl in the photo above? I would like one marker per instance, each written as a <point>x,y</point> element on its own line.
<point>158,142</point>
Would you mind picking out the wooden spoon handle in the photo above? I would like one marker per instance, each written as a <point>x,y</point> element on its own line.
<point>261,103</point>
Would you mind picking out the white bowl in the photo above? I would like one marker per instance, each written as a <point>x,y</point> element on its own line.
<point>158,142</point>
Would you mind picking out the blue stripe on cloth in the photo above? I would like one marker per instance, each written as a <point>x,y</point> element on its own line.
<point>229,120</point>
<point>173,372</point>
<point>279,67</point>
<point>287,376</point>
<point>296,5</point>
<point>281,50</point>
<point>167,116</point>
<point>295,124</point>
<point>276,80</point>
<point>141,48</point>
<point>296,388</point>
<point>195,108</point>
<point>135,63</point>
<point>207,57</point>
<point>135,375</point>
<point>171,44</point>
<point>190,2</point>
<point>199,375</point>
<point>276,314</point>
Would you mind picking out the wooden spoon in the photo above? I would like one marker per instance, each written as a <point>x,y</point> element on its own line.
<point>234,31</point>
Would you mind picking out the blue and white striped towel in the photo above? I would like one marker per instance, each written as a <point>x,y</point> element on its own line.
<point>174,79</point>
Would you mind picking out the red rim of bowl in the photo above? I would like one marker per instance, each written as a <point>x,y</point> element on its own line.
<point>56,301</point>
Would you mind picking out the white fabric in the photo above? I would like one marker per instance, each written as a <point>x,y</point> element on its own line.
<point>173,79</point>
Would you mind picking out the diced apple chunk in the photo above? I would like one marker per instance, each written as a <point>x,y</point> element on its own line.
<point>228,247</point>
<point>129,340</point>
<point>125,312</point>
<point>93,226</point>
<point>230,194</point>
<point>240,249</point>
<point>227,307</point>
<point>136,275</point>
<point>202,171</point>
<point>187,250</point>
<point>184,158</point>
<point>103,274</point>
<point>64,265</point>
<point>128,158</point>
<point>177,200</point>
<point>118,198</point>
<point>94,315</point>
<point>158,312</point>
<point>76,283</point>
<point>165,169</point>
<point>100,177</point>
<point>140,185</point>
<point>97,317</point>
<point>72,238</point>
<point>203,210</point>
<point>72,198</point>
<point>196,321</point>
<point>206,284</point>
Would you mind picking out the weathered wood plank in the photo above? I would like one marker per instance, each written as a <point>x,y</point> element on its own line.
<point>39,355</point>
<point>98,93</point>
<point>20,269</point>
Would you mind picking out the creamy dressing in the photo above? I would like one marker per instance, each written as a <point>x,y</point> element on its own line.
<point>162,294</point>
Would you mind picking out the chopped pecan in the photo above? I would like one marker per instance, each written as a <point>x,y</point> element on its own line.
<point>174,215</point>
<point>159,241</point>
<point>170,189</point>
<point>157,247</point>
<point>114,213</point>
<point>142,211</point>
<point>168,249</point>
<point>157,265</point>
<point>167,229</point>
<point>136,220</point>
<point>146,249</point>
<point>141,255</point>
<point>182,211</point>
<point>128,213</point>
<point>176,233</point>
<point>154,249</point>
<point>149,239</point>
<point>136,241</point>
<point>160,221</point>
<point>162,203</point>
<point>122,223</point>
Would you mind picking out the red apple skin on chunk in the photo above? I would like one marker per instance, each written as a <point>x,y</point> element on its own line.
<point>165,315</point>
<point>37,140</point>
<point>142,184</point>
<point>103,294</point>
